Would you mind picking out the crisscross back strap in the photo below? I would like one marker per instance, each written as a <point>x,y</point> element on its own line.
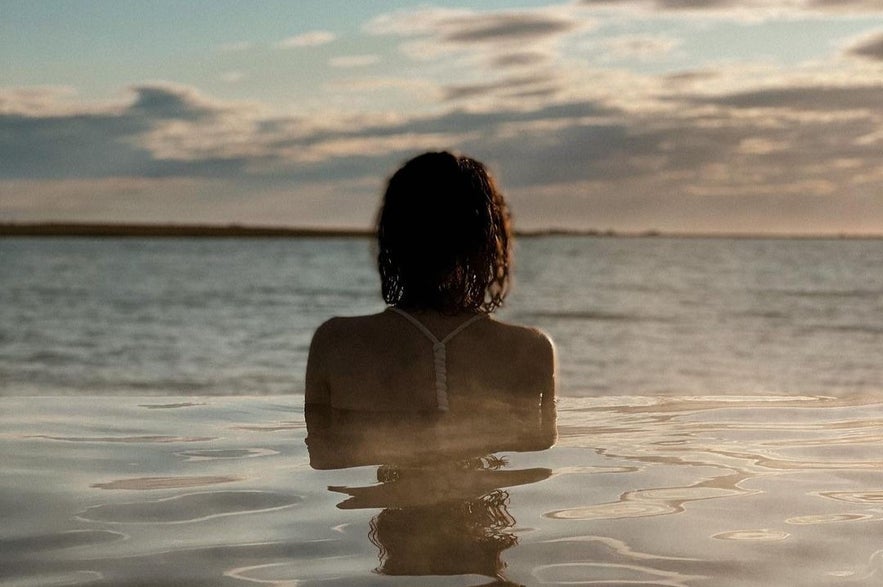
<point>439,353</point>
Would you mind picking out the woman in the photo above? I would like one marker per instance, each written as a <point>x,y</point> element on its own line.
<point>431,387</point>
<point>444,257</point>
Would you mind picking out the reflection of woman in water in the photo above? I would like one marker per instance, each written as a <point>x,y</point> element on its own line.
<point>432,385</point>
<point>465,537</point>
<point>445,518</point>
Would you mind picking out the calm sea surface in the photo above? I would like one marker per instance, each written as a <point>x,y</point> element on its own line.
<point>720,421</point>
<point>629,316</point>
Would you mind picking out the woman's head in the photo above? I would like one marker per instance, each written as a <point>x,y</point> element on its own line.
<point>444,236</point>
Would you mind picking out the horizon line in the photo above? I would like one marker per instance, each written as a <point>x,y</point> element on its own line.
<point>239,230</point>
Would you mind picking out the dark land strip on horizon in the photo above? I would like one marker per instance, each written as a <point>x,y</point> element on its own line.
<point>134,230</point>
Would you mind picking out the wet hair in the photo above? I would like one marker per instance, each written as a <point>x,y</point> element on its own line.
<point>443,235</point>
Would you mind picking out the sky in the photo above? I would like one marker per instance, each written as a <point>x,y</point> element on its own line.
<point>693,116</point>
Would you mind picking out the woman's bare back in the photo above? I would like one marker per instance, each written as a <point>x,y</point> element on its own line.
<point>383,362</point>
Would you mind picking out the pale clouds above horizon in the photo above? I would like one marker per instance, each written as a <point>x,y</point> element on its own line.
<point>310,39</point>
<point>641,47</point>
<point>760,8</point>
<point>353,60</point>
<point>596,114</point>
<point>233,77</point>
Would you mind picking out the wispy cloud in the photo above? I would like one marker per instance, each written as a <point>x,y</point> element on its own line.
<point>871,6</point>
<point>870,47</point>
<point>521,59</point>
<point>308,39</point>
<point>538,84</point>
<point>503,26</point>
<point>492,56</point>
<point>347,61</point>
<point>754,9</point>
<point>35,100</point>
<point>640,47</point>
<point>672,4</point>
<point>232,76</point>
<point>824,98</point>
<point>501,32</point>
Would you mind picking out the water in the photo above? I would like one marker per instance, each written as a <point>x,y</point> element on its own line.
<point>217,491</point>
<point>719,422</point>
<point>629,316</point>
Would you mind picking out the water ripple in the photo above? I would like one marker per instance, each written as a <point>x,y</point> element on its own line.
<point>591,573</point>
<point>613,511</point>
<point>874,497</point>
<point>124,439</point>
<point>170,406</point>
<point>214,454</point>
<point>189,507</point>
<point>151,483</point>
<point>827,519</point>
<point>762,535</point>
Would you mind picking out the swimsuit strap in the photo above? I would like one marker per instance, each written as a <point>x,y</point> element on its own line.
<point>439,353</point>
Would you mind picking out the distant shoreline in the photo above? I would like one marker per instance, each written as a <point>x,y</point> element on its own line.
<point>132,230</point>
<point>112,230</point>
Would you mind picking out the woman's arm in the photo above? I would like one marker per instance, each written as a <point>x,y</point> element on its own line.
<point>548,409</point>
<point>317,392</point>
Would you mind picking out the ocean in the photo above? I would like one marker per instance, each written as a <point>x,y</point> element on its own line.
<point>719,420</point>
<point>629,316</point>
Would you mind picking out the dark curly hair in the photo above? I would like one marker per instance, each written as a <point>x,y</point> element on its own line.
<point>444,236</point>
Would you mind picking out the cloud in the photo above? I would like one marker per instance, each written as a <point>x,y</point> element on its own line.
<point>521,59</point>
<point>504,26</point>
<point>688,78</point>
<point>347,61</point>
<point>502,58</point>
<point>539,84</point>
<point>512,31</point>
<point>670,4</point>
<point>758,7</point>
<point>232,77</point>
<point>35,100</point>
<point>86,145</point>
<point>167,130</point>
<point>820,98</point>
<point>640,47</point>
<point>870,47</point>
<point>718,170</point>
<point>813,147</point>
<point>309,39</point>
<point>113,140</point>
<point>848,6</point>
<point>170,101</point>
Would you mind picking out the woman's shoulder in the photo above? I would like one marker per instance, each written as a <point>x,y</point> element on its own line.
<point>529,335</point>
<point>347,323</point>
<point>342,327</point>
<point>334,345</point>
<point>527,348</point>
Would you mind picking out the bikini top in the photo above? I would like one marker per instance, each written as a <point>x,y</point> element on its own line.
<point>438,353</point>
